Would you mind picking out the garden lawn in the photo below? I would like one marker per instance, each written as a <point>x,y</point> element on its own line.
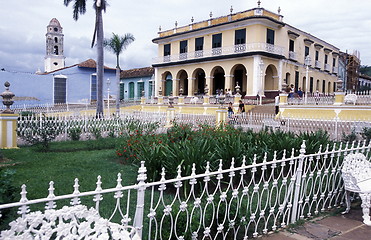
<point>62,165</point>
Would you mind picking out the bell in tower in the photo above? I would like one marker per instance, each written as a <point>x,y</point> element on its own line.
<point>54,58</point>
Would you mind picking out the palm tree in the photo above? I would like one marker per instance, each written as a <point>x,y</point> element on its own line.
<point>117,44</point>
<point>79,7</point>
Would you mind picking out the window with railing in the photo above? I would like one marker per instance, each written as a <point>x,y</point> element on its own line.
<point>183,49</point>
<point>306,52</point>
<point>240,36</point>
<point>291,45</point>
<point>217,44</point>
<point>270,36</point>
<point>167,52</point>
<point>167,49</point>
<point>240,40</point>
<point>199,47</point>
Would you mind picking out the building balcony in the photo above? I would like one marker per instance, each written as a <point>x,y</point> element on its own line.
<point>293,56</point>
<point>317,64</point>
<point>222,51</point>
<point>327,67</point>
<point>335,70</point>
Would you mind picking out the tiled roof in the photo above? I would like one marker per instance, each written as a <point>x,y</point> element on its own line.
<point>137,72</point>
<point>90,63</point>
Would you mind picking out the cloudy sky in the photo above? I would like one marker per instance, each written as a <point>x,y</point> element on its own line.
<point>343,23</point>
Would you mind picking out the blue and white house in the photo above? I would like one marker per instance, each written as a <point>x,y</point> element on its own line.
<point>136,83</point>
<point>59,84</point>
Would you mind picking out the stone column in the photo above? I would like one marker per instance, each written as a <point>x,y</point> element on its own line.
<point>8,121</point>
<point>175,87</point>
<point>209,84</point>
<point>228,82</point>
<point>283,99</point>
<point>191,83</point>
<point>221,117</point>
<point>339,98</point>
<point>170,116</point>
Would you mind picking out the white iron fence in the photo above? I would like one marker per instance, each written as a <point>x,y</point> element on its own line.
<point>114,125</point>
<point>240,202</point>
<point>64,107</point>
<point>110,125</point>
<point>336,128</point>
<point>312,99</point>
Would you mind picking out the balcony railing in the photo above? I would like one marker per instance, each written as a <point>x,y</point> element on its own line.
<point>223,51</point>
<point>317,64</point>
<point>334,70</point>
<point>293,56</point>
<point>327,67</point>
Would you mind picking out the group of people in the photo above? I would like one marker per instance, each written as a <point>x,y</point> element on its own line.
<point>240,111</point>
<point>227,92</point>
<point>293,93</point>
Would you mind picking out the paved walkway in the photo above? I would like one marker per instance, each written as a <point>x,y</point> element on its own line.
<point>334,227</point>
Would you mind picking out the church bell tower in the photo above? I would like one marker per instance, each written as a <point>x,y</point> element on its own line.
<point>54,58</point>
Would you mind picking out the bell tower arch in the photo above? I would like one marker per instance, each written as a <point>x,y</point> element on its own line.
<point>54,58</point>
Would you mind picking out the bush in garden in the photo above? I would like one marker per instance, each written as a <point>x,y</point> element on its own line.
<point>40,131</point>
<point>184,145</point>
<point>366,134</point>
<point>97,132</point>
<point>74,133</point>
<point>349,137</point>
<point>7,195</point>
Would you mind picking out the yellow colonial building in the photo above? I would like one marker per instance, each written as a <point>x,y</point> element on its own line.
<point>254,49</point>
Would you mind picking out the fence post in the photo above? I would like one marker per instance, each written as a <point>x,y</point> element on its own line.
<point>139,212</point>
<point>299,170</point>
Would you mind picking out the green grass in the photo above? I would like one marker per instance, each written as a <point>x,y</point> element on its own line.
<point>63,163</point>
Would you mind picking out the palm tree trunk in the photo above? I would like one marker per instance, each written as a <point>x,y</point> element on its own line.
<point>118,90</point>
<point>100,61</point>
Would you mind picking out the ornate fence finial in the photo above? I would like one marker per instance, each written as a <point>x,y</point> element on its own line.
<point>302,148</point>
<point>7,98</point>
<point>142,176</point>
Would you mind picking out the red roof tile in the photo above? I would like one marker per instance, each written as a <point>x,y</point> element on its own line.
<point>137,72</point>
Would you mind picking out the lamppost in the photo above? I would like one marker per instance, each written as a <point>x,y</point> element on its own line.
<point>108,84</point>
<point>261,66</point>
<point>307,63</point>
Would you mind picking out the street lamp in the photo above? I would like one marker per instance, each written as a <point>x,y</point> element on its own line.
<point>307,63</point>
<point>108,84</point>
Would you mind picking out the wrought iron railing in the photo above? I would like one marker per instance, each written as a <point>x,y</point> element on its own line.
<point>239,202</point>
<point>227,50</point>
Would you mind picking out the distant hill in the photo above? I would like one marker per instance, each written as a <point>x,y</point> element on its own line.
<point>366,70</point>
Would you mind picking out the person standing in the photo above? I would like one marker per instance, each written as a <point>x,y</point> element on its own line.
<point>230,110</point>
<point>241,107</point>
<point>277,104</point>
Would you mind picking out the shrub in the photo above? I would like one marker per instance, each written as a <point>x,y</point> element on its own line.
<point>7,195</point>
<point>40,131</point>
<point>366,134</point>
<point>97,132</point>
<point>350,137</point>
<point>74,133</point>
